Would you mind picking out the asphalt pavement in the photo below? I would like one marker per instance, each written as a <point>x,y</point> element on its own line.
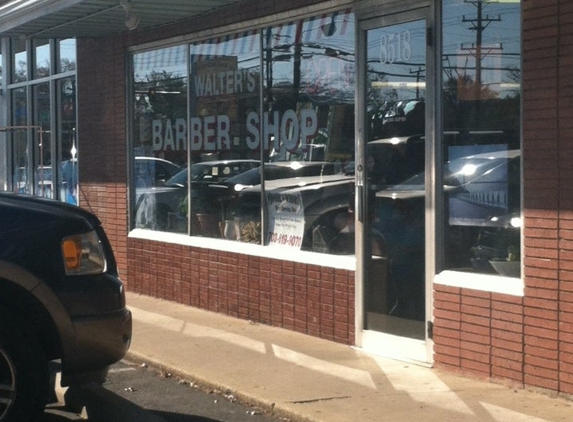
<point>310,379</point>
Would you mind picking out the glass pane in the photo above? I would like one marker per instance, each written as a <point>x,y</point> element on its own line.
<point>42,150</point>
<point>395,211</point>
<point>20,143</point>
<point>225,80</point>
<point>41,58</point>
<point>67,55</point>
<point>19,61</point>
<point>159,136</point>
<point>68,182</point>
<point>481,142</point>
<point>308,133</point>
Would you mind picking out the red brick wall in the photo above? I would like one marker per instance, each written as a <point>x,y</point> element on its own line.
<point>529,340</point>
<point>479,333</point>
<point>102,138</point>
<point>306,298</point>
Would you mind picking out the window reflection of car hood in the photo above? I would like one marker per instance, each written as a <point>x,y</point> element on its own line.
<point>159,189</point>
<point>300,182</point>
<point>409,191</point>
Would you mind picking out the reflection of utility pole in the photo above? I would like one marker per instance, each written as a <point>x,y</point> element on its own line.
<point>296,60</point>
<point>269,67</point>
<point>418,75</point>
<point>479,24</point>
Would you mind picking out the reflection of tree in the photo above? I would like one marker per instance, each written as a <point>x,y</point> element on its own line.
<point>20,73</point>
<point>376,97</point>
<point>67,65</point>
<point>165,93</point>
<point>462,110</point>
<point>42,72</point>
<point>160,95</point>
<point>513,75</point>
<point>467,88</point>
<point>332,85</point>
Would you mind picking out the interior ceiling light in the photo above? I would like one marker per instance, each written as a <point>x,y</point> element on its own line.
<point>131,20</point>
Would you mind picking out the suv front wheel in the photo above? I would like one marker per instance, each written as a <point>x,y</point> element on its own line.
<point>23,372</point>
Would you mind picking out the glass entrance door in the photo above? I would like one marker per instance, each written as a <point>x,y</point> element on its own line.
<point>394,180</point>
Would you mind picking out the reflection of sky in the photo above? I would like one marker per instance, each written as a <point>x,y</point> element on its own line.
<point>500,39</point>
<point>397,60</point>
<point>407,41</point>
<point>506,30</point>
<point>68,50</point>
<point>43,57</point>
<point>318,36</point>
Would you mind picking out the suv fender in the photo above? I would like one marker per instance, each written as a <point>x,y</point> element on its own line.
<point>44,296</point>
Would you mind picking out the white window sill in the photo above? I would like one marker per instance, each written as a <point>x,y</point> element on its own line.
<point>343,262</point>
<point>483,282</point>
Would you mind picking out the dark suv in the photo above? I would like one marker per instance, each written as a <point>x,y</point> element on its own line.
<point>60,300</point>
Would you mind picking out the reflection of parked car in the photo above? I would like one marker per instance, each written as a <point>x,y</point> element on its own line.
<point>152,171</point>
<point>155,204</point>
<point>401,117</point>
<point>60,299</point>
<point>213,171</point>
<point>325,200</point>
<point>482,190</point>
<point>283,170</point>
<point>393,160</point>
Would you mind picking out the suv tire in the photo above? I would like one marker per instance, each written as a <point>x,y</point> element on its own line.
<point>23,372</point>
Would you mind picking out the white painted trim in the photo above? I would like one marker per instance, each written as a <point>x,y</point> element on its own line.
<point>343,262</point>
<point>483,282</point>
<point>20,12</point>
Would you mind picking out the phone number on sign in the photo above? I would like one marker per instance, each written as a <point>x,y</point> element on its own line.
<point>285,239</point>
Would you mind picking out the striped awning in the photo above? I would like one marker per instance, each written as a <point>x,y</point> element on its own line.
<point>95,18</point>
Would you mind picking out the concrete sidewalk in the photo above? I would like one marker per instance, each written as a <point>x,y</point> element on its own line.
<point>310,379</point>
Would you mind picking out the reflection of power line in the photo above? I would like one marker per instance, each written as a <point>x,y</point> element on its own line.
<point>479,24</point>
<point>411,73</point>
<point>418,72</point>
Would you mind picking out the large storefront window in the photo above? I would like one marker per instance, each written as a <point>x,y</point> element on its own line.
<point>41,127</point>
<point>303,138</point>
<point>481,140</point>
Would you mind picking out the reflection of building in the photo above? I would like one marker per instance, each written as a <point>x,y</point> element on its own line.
<point>325,72</point>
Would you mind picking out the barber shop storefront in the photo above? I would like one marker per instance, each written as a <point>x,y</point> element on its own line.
<point>387,175</point>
